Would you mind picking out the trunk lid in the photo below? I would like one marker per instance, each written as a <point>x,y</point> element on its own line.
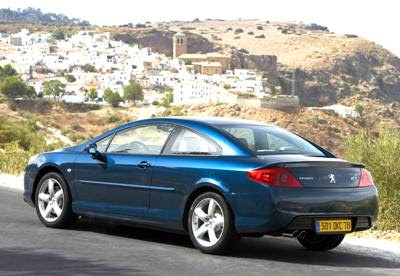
<point>319,172</point>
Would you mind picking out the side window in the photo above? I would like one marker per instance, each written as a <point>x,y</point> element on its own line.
<point>188,142</point>
<point>147,139</point>
<point>103,143</point>
<point>244,135</point>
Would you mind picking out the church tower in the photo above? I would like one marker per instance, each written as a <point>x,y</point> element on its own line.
<point>180,45</point>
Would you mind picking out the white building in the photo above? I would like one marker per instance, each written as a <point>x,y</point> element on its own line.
<point>196,92</point>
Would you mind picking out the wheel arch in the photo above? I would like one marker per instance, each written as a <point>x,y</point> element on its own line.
<point>194,194</point>
<point>42,172</point>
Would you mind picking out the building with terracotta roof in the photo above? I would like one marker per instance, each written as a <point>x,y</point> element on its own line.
<point>207,68</point>
<point>210,61</point>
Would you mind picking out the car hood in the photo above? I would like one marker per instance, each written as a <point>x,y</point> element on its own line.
<point>68,149</point>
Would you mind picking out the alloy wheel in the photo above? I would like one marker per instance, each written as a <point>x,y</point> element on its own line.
<point>207,222</point>
<point>51,200</point>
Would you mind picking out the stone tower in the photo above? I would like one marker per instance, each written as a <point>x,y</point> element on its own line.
<point>180,45</point>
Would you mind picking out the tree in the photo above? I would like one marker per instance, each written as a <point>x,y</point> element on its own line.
<point>13,87</point>
<point>7,71</point>
<point>360,110</point>
<point>70,78</point>
<point>88,68</point>
<point>112,98</point>
<point>92,94</point>
<point>54,88</point>
<point>133,92</point>
<point>168,99</point>
<point>58,35</point>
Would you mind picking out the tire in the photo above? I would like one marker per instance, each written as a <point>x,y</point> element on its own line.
<point>315,242</point>
<point>220,222</point>
<point>54,205</point>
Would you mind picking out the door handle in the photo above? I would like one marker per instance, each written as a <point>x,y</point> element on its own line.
<point>144,165</point>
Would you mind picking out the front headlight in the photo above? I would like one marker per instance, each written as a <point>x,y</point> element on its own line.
<point>33,158</point>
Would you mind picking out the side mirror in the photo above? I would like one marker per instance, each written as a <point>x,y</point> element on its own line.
<point>92,150</point>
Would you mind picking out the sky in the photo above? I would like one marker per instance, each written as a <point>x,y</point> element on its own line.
<point>376,20</point>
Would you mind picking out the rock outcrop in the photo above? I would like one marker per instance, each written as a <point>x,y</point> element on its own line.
<point>161,41</point>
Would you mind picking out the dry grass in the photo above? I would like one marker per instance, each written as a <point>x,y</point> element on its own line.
<point>308,49</point>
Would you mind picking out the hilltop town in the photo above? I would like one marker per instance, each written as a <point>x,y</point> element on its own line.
<point>92,60</point>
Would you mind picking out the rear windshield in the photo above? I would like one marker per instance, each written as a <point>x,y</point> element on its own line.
<point>264,140</point>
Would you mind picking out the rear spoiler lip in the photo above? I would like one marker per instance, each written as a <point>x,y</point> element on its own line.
<point>313,164</point>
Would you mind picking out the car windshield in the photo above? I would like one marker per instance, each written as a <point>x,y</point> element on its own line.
<point>265,140</point>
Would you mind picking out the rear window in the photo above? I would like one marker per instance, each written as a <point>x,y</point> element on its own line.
<point>264,140</point>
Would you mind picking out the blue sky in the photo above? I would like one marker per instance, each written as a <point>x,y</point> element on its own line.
<point>378,21</point>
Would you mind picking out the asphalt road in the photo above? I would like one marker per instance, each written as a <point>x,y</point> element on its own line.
<point>95,247</point>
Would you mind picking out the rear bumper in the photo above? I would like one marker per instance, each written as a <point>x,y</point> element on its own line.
<point>289,209</point>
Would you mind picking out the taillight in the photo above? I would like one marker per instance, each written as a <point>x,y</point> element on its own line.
<point>365,179</point>
<point>279,177</point>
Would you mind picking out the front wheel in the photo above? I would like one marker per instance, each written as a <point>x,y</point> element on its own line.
<point>210,223</point>
<point>312,241</point>
<point>53,202</point>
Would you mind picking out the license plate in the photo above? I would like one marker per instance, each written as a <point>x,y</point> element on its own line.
<point>327,226</point>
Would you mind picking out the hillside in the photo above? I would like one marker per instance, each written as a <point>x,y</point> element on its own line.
<point>74,123</point>
<point>32,15</point>
<point>328,66</point>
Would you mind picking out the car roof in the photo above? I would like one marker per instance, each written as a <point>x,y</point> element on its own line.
<point>212,120</point>
<point>206,125</point>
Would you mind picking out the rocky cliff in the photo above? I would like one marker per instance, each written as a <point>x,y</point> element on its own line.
<point>161,41</point>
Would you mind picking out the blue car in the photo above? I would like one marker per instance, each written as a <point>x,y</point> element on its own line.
<point>215,179</point>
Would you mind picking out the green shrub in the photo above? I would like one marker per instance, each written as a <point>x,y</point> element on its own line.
<point>76,137</point>
<point>168,99</point>
<point>381,155</point>
<point>173,111</point>
<point>77,127</point>
<point>13,159</point>
<point>25,134</point>
<point>19,140</point>
<point>113,119</point>
<point>55,125</point>
<point>239,31</point>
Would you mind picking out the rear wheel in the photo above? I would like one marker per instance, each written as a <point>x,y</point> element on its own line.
<point>53,202</point>
<point>210,223</point>
<point>312,241</point>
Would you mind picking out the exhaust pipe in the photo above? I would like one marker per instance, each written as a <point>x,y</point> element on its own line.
<point>298,234</point>
<point>290,235</point>
<point>302,234</point>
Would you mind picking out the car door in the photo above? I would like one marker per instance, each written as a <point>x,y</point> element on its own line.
<point>187,157</point>
<point>118,181</point>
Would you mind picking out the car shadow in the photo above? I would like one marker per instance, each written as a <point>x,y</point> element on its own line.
<point>267,248</point>
<point>290,251</point>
